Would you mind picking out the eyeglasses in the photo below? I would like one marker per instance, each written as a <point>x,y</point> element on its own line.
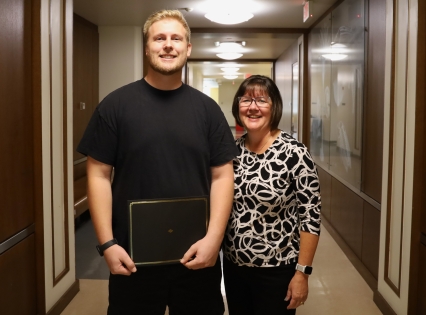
<point>245,101</point>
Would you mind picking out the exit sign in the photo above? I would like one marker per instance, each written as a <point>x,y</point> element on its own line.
<point>307,10</point>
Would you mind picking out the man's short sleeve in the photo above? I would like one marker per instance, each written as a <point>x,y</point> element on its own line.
<point>222,144</point>
<point>99,140</point>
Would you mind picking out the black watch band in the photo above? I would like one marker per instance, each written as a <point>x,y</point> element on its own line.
<point>103,247</point>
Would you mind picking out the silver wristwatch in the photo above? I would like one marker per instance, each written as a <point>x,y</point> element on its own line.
<point>307,270</point>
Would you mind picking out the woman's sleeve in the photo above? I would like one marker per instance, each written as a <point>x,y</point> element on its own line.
<point>307,190</point>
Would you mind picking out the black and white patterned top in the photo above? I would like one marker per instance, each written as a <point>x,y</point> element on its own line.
<point>276,195</point>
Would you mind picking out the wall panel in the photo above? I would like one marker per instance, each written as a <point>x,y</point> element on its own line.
<point>325,185</point>
<point>16,118</point>
<point>398,151</point>
<point>85,76</point>
<point>56,27</point>
<point>347,215</point>
<point>85,98</point>
<point>18,279</point>
<point>374,101</point>
<point>421,301</point>
<point>371,238</point>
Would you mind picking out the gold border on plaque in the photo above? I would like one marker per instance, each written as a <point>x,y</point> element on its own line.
<point>205,199</point>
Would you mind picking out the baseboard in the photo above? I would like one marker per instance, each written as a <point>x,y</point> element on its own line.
<point>381,303</point>
<point>353,258</point>
<point>62,303</point>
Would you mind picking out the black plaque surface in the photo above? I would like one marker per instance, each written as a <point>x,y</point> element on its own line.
<point>161,231</point>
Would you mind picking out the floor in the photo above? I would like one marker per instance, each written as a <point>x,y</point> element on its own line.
<point>336,288</point>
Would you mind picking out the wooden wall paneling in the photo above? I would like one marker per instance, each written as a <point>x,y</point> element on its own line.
<point>421,300</point>
<point>79,170</point>
<point>400,125</point>
<point>417,286</point>
<point>421,118</point>
<point>371,238</point>
<point>325,186</point>
<point>372,151</point>
<point>18,279</point>
<point>16,118</point>
<point>85,67</point>
<point>95,65</point>
<point>347,215</point>
<point>38,155</point>
<point>80,196</point>
<point>86,90</point>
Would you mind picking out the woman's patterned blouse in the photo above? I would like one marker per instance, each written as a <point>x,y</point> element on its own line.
<point>276,195</point>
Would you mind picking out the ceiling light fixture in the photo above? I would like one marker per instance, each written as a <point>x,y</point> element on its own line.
<point>229,70</point>
<point>234,17</point>
<point>229,56</point>
<point>230,45</point>
<point>230,77</point>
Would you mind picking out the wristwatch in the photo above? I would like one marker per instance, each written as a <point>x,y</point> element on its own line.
<point>103,247</point>
<point>307,270</point>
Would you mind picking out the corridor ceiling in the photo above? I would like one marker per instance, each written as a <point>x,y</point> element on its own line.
<point>261,45</point>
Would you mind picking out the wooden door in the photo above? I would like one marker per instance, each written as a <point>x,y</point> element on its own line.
<point>17,201</point>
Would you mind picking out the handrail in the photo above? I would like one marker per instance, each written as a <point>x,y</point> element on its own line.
<point>83,159</point>
<point>15,239</point>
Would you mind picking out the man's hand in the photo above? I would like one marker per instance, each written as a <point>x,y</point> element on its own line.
<point>119,262</point>
<point>297,292</point>
<point>202,254</point>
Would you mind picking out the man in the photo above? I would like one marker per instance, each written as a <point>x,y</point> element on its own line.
<point>164,139</point>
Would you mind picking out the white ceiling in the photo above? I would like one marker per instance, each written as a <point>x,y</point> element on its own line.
<point>264,45</point>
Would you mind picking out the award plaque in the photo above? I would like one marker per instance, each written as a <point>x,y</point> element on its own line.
<point>161,231</point>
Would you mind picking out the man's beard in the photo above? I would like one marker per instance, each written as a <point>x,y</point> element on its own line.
<point>165,70</point>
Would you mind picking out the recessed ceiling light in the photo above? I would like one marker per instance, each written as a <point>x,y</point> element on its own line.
<point>229,56</point>
<point>229,17</point>
<point>231,44</point>
<point>229,70</point>
<point>230,77</point>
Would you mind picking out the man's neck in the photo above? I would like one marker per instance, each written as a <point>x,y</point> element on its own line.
<point>164,82</point>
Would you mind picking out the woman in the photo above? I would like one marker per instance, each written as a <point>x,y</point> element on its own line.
<point>275,222</point>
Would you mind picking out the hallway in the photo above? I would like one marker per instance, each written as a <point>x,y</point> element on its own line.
<point>336,288</point>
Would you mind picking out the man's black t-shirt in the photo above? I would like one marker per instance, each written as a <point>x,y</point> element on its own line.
<point>160,143</point>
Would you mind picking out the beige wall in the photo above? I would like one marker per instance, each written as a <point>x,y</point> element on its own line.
<point>195,78</point>
<point>283,79</point>
<point>226,95</point>
<point>120,57</point>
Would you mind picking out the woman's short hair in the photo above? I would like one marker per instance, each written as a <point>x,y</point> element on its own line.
<point>256,83</point>
<point>166,14</point>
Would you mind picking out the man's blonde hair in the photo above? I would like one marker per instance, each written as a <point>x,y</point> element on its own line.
<point>166,14</point>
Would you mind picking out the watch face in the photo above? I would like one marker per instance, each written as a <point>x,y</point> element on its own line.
<point>308,270</point>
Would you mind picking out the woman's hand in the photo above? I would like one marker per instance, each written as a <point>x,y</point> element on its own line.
<point>297,292</point>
